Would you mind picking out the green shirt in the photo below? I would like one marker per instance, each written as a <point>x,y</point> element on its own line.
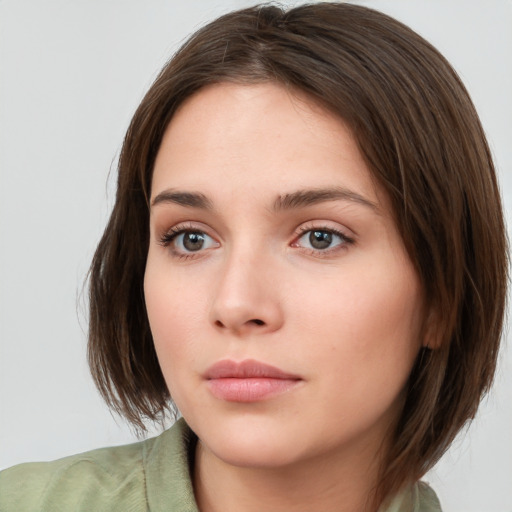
<point>152,475</point>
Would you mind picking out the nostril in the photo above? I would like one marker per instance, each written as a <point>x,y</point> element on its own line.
<point>254,321</point>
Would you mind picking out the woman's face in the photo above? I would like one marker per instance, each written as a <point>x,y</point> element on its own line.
<point>284,308</point>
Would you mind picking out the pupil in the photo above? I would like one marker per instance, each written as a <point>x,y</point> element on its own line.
<point>193,241</point>
<point>320,239</point>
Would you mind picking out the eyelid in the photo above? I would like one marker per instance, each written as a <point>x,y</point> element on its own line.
<point>180,227</point>
<point>167,237</point>
<point>325,225</point>
<point>346,236</point>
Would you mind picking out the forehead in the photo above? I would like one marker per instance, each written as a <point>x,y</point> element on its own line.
<point>261,138</point>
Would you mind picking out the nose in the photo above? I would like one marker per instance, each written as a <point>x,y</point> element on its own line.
<point>246,301</point>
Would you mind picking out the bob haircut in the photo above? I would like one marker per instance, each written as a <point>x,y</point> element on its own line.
<point>421,138</point>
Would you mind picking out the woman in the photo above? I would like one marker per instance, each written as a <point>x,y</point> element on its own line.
<point>306,253</point>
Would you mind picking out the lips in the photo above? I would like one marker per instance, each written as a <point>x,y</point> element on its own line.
<point>248,381</point>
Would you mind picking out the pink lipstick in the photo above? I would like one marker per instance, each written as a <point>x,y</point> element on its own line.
<point>248,381</point>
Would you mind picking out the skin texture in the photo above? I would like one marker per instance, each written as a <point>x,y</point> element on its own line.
<point>344,320</point>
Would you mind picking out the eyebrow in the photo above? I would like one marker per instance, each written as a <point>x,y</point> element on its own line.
<point>309,197</point>
<point>191,199</point>
<point>290,201</point>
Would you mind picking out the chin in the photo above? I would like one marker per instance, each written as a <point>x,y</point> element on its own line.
<point>252,453</point>
<point>249,442</point>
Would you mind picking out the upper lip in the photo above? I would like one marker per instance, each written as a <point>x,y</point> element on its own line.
<point>246,369</point>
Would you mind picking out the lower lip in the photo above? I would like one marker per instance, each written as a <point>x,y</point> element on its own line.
<point>249,389</point>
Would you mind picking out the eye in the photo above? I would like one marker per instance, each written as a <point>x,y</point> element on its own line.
<point>192,241</point>
<point>187,241</point>
<point>322,239</point>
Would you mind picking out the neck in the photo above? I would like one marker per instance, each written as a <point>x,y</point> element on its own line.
<point>325,485</point>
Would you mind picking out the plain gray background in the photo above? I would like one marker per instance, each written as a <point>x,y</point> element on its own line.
<point>71,74</point>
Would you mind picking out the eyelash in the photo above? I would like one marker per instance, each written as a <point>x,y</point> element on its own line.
<point>167,239</point>
<point>345,240</point>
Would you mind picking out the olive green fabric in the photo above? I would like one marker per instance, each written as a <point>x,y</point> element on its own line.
<point>150,476</point>
<point>417,498</point>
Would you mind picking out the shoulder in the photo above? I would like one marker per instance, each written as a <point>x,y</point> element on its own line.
<point>96,480</point>
<point>149,475</point>
<point>428,498</point>
<point>418,497</point>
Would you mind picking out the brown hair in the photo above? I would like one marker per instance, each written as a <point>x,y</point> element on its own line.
<point>422,140</point>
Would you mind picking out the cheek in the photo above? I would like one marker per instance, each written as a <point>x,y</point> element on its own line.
<point>368,323</point>
<point>175,311</point>
<point>366,342</point>
<point>384,319</point>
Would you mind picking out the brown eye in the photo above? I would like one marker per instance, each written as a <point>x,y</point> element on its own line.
<point>193,241</point>
<point>188,241</point>
<point>320,239</point>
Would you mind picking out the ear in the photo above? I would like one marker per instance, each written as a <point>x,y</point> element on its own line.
<point>432,330</point>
